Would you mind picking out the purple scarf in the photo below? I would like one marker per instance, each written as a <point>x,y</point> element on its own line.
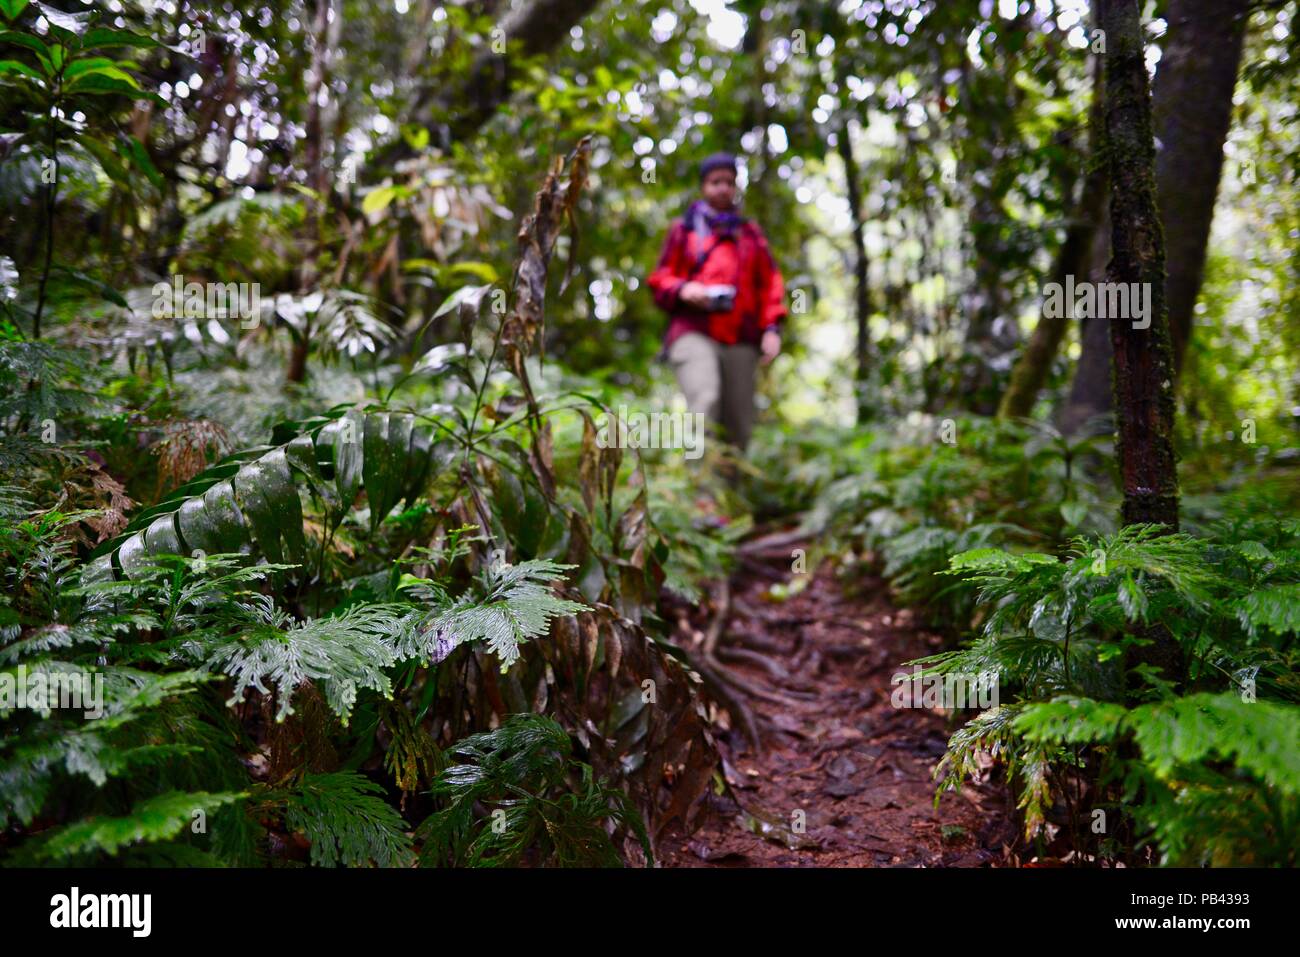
<point>704,220</point>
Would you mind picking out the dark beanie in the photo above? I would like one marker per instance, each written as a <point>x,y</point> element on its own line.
<point>717,161</point>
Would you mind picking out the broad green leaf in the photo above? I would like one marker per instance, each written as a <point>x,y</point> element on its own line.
<point>107,159</point>
<point>100,85</point>
<point>386,441</point>
<point>161,538</point>
<point>33,43</point>
<point>378,199</point>
<point>14,66</point>
<point>102,79</point>
<point>12,8</point>
<point>96,64</point>
<point>252,497</point>
<point>416,136</point>
<point>470,295</point>
<point>478,270</point>
<point>90,282</point>
<point>72,24</point>
<point>1073,513</point>
<point>347,454</point>
<point>133,556</point>
<point>211,522</point>
<point>268,500</point>
<point>101,38</point>
<point>139,156</point>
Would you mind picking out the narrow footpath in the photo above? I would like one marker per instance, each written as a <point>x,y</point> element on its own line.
<point>843,778</point>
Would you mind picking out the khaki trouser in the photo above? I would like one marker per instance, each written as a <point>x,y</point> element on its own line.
<point>718,380</point>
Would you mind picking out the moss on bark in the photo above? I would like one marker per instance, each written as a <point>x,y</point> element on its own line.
<point>1143,358</point>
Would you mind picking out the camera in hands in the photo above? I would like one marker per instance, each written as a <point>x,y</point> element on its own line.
<point>721,298</point>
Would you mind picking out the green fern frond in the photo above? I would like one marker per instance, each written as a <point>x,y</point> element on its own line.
<point>28,771</point>
<point>510,605</point>
<point>347,822</point>
<point>343,654</point>
<point>1260,737</point>
<point>1071,720</point>
<point>990,731</point>
<point>158,818</point>
<point>519,773</point>
<point>412,756</point>
<point>1178,560</point>
<point>1275,610</point>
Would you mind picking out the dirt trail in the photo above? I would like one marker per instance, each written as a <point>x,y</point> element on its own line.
<point>835,749</point>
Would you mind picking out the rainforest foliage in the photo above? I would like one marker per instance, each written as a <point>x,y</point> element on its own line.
<point>312,315</point>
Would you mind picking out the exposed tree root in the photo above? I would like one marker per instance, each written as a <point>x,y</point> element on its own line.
<point>774,545</point>
<point>755,658</point>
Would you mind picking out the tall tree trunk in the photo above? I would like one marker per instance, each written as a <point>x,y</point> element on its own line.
<point>1143,361</point>
<point>317,178</point>
<point>1202,53</point>
<point>1193,110</point>
<point>861,289</point>
<point>1074,258</point>
<point>314,138</point>
<point>989,332</point>
<point>1090,392</point>
<point>1142,357</point>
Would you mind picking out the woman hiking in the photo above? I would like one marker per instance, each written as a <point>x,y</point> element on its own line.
<point>725,300</point>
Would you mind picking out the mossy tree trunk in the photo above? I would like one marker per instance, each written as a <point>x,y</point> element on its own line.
<point>1142,357</point>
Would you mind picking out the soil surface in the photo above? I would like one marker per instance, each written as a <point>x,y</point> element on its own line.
<point>844,777</point>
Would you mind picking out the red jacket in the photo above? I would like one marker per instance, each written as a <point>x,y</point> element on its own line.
<point>742,260</point>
